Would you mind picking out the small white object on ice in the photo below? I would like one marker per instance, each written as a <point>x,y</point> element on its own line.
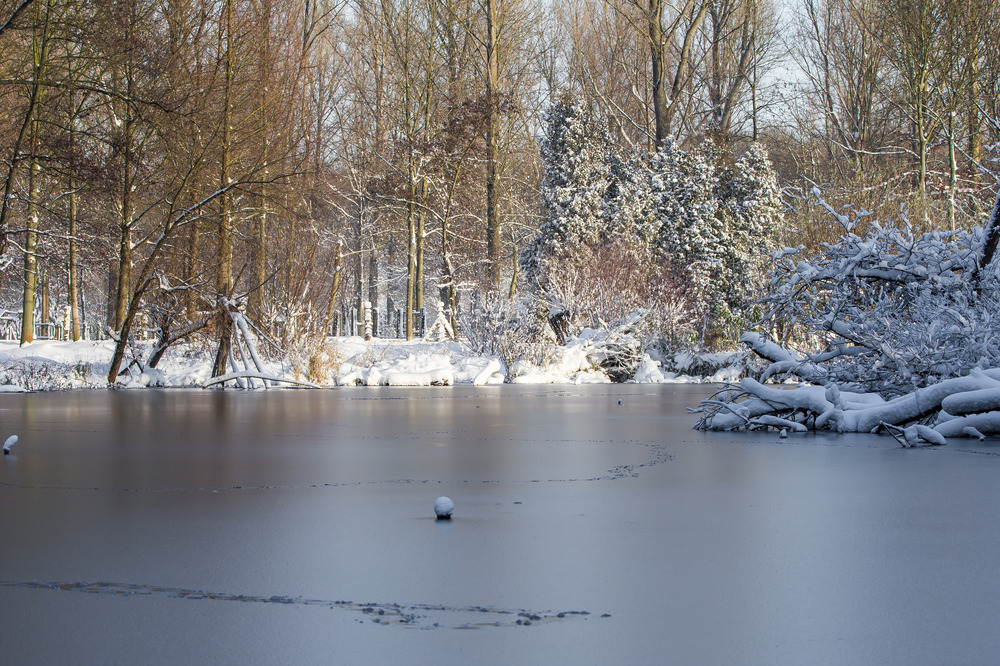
<point>783,434</point>
<point>11,441</point>
<point>443,508</point>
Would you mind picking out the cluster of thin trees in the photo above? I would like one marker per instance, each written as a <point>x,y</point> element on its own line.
<point>165,162</point>
<point>902,103</point>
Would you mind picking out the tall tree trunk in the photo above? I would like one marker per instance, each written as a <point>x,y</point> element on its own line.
<point>492,142</point>
<point>31,252</point>
<point>952,171</point>
<point>124,289</point>
<point>418,286</point>
<point>224,282</point>
<point>411,260</point>
<point>259,268</point>
<point>73,287</point>
<point>657,52</point>
<point>331,305</point>
<point>39,47</point>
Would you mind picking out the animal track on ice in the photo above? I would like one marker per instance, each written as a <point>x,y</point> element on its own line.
<point>659,453</point>
<point>420,616</point>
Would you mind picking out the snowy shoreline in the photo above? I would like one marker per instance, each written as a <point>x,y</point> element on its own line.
<point>347,361</point>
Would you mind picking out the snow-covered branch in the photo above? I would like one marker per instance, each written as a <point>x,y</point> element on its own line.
<point>894,330</point>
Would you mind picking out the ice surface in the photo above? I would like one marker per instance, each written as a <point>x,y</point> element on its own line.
<point>166,526</point>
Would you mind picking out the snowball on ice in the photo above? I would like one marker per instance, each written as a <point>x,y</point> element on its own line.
<point>443,508</point>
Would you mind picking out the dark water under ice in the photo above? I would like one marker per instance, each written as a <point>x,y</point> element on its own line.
<point>297,527</point>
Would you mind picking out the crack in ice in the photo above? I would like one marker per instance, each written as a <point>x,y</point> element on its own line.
<point>422,616</point>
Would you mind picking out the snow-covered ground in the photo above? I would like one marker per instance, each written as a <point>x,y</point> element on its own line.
<point>345,361</point>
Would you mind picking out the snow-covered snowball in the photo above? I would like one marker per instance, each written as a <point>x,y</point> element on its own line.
<point>443,508</point>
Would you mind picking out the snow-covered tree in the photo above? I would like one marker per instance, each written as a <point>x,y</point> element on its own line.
<point>673,217</point>
<point>750,201</point>
<point>574,187</point>
<point>685,217</point>
<point>717,224</point>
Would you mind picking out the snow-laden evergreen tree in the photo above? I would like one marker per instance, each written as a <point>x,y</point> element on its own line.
<point>685,216</point>
<point>673,218</point>
<point>717,224</point>
<point>628,201</point>
<point>750,201</point>
<point>575,185</point>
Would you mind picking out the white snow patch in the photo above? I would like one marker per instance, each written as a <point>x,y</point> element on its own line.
<point>648,371</point>
<point>486,374</point>
<point>55,365</point>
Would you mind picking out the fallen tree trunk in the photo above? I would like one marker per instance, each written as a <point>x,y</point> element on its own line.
<point>921,415</point>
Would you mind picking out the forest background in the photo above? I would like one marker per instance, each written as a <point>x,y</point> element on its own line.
<point>170,164</point>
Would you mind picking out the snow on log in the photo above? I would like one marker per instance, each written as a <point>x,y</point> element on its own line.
<point>845,411</point>
<point>972,402</point>
<point>236,376</point>
<point>737,415</point>
<point>782,360</point>
<point>374,377</point>
<point>972,432</point>
<point>353,378</point>
<point>909,407</point>
<point>776,422</point>
<point>853,400</point>
<point>930,435</point>
<point>804,398</point>
<point>980,423</point>
<point>765,400</point>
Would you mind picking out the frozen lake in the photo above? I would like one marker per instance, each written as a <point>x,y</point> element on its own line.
<point>297,527</point>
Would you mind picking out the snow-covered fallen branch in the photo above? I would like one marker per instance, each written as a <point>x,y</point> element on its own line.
<point>243,375</point>
<point>755,406</point>
<point>902,326</point>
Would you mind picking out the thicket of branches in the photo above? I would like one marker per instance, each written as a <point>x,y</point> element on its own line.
<point>893,330</point>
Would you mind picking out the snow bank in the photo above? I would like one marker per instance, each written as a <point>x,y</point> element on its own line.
<point>438,377</point>
<point>493,368</point>
<point>347,361</point>
<point>648,371</point>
